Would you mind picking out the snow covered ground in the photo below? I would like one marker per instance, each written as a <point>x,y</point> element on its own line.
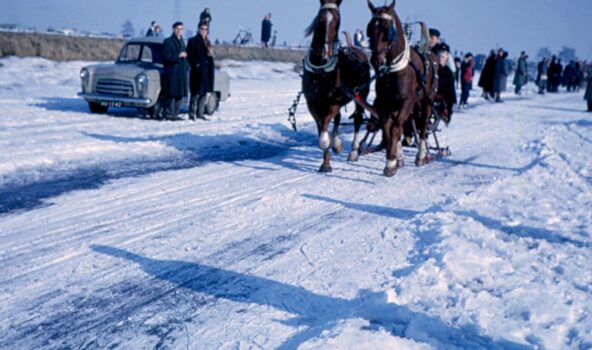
<point>121,232</point>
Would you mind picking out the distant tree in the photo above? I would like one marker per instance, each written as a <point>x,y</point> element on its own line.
<point>142,32</point>
<point>544,52</point>
<point>127,29</point>
<point>567,54</point>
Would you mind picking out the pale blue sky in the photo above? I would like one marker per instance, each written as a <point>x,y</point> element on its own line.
<point>468,25</point>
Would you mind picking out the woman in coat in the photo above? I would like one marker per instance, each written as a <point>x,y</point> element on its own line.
<point>521,75</point>
<point>487,78</point>
<point>501,75</point>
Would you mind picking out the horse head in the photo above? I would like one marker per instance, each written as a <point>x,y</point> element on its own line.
<point>325,28</point>
<point>386,35</point>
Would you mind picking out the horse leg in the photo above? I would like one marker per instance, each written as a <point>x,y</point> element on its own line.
<point>388,132</point>
<point>422,149</point>
<point>325,139</point>
<point>336,143</point>
<point>358,121</point>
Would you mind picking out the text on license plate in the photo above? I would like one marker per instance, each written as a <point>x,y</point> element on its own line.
<point>110,104</point>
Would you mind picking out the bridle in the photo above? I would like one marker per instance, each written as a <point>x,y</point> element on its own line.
<point>400,62</point>
<point>331,63</point>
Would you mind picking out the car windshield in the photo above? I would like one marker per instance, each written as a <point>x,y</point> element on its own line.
<point>135,53</point>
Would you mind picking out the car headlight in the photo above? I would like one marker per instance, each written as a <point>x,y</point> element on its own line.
<point>84,78</point>
<point>143,82</point>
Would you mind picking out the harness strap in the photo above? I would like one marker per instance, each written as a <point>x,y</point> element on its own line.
<point>328,67</point>
<point>330,6</point>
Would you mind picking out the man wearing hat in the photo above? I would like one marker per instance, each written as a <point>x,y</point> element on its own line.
<point>174,86</point>
<point>521,75</point>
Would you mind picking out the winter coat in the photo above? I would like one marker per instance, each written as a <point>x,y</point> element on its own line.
<point>487,79</point>
<point>205,18</point>
<point>521,75</point>
<point>266,30</point>
<point>446,87</point>
<point>543,71</point>
<point>501,75</point>
<point>588,95</point>
<point>175,68</point>
<point>200,62</point>
<point>466,72</point>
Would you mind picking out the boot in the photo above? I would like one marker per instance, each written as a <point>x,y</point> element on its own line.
<point>201,109</point>
<point>193,106</point>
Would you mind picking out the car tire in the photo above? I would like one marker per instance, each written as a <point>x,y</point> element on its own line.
<point>96,108</point>
<point>156,111</point>
<point>212,104</point>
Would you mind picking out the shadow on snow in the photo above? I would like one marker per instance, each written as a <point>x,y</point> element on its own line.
<point>314,311</point>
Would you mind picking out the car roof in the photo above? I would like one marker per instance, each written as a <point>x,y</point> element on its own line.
<point>146,40</point>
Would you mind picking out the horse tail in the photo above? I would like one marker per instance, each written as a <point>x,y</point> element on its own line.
<point>348,39</point>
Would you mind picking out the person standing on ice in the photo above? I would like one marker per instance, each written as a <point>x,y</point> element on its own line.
<point>487,79</point>
<point>521,75</point>
<point>175,72</point>
<point>542,75</point>
<point>501,75</point>
<point>152,31</point>
<point>266,26</point>
<point>588,95</point>
<point>200,61</point>
<point>466,76</point>
<point>205,17</point>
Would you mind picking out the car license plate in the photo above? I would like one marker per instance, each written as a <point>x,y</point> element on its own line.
<point>111,104</point>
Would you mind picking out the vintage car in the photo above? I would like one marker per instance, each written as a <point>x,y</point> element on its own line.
<point>134,80</point>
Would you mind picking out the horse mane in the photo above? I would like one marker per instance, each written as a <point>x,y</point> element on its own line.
<point>311,28</point>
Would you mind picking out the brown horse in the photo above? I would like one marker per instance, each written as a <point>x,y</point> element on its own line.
<point>405,87</point>
<point>328,70</point>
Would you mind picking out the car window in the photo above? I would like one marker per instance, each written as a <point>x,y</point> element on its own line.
<point>156,52</point>
<point>147,54</point>
<point>130,53</point>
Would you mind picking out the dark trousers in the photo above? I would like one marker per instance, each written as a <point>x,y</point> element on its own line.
<point>197,106</point>
<point>466,91</point>
<point>589,105</point>
<point>173,107</point>
<point>518,89</point>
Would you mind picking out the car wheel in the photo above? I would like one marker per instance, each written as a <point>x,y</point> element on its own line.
<point>156,111</point>
<point>96,108</point>
<point>212,104</point>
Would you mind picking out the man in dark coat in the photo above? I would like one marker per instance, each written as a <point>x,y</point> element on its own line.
<point>200,61</point>
<point>205,17</point>
<point>501,75</point>
<point>521,75</point>
<point>174,85</point>
<point>266,26</point>
<point>487,78</point>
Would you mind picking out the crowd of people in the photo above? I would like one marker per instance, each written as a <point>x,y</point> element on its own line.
<point>551,75</point>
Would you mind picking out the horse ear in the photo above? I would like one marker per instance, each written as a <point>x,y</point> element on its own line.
<point>371,6</point>
<point>392,7</point>
<point>339,2</point>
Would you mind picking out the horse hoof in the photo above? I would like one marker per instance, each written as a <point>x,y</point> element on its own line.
<point>420,162</point>
<point>338,149</point>
<point>325,169</point>
<point>388,172</point>
<point>400,163</point>
<point>353,156</point>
